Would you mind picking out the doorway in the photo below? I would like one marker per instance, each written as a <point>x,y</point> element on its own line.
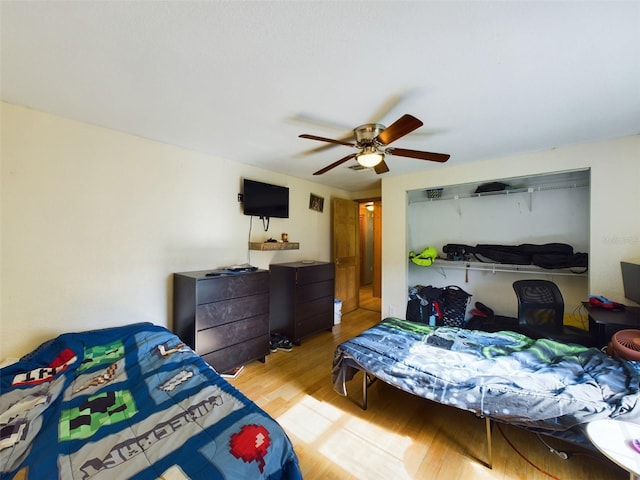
<point>370,238</point>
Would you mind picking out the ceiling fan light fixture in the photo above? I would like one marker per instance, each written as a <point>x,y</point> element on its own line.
<point>372,140</point>
<point>369,157</point>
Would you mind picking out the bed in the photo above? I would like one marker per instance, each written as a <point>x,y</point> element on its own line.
<point>541,385</point>
<point>132,402</point>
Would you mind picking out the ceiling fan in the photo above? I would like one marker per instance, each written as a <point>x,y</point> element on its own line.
<point>371,140</point>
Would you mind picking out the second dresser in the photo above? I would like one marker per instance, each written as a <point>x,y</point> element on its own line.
<point>301,298</point>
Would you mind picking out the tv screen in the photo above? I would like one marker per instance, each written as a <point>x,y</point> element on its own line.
<point>265,200</point>
<point>631,281</point>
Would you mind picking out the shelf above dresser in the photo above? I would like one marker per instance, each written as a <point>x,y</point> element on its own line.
<point>274,246</point>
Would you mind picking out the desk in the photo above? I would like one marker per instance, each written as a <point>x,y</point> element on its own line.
<point>604,323</point>
<point>613,438</point>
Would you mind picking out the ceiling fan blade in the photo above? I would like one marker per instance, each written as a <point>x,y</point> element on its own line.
<point>381,167</point>
<point>401,127</point>
<point>391,103</point>
<point>334,164</point>
<point>329,140</point>
<point>403,152</point>
<point>317,122</point>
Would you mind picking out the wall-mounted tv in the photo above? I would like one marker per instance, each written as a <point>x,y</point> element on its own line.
<point>631,281</point>
<point>265,200</point>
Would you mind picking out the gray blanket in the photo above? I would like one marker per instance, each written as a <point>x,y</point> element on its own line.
<point>542,385</point>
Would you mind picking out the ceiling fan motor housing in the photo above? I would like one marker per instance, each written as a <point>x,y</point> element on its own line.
<point>366,133</point>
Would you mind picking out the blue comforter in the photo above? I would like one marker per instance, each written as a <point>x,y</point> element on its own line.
<point>132,402</point>
<point>542,385</point>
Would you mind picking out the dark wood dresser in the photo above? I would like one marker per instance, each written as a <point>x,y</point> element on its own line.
<point>224,318</point>
<point>301,298</point>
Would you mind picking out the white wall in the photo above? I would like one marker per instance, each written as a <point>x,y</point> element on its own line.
<point>94,222</point>
<point>614,221</point>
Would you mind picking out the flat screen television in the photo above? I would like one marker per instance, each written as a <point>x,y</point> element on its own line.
<point>265,200</point>
<point>631,281</point>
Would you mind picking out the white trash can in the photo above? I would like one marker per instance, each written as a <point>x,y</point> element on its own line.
<point>337,311</point>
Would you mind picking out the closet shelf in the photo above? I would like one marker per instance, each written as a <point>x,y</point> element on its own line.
<point>518,185</point>
<point>500,268</point>
<point>511,191</point>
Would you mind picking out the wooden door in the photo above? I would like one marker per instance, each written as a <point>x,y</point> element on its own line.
<point>346,252</point>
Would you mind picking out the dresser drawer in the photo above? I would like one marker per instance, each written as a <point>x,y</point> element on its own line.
<point>223,336</point>
<point>311,291</point>
<point>230,357</point>
<point>314,273</point>
<point>227,311</point>
<point>315,323</point>
<point>319,306</point>
<point>231,286</point>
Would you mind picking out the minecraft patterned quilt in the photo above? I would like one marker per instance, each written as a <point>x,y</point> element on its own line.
<point>541,385</point>
<point>132,402</point>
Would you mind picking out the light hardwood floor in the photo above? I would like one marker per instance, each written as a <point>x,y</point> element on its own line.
<point>367,300</point>
<point>400,436</point>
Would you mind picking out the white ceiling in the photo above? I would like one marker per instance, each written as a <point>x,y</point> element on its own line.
<point>237,79</point>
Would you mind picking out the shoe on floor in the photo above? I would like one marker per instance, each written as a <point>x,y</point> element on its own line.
<point>279,342</point>
<point>273,343</point>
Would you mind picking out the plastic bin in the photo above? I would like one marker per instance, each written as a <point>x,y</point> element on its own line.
<point>337,311</point>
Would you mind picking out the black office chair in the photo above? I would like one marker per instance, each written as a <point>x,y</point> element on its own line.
<point>541,313</point>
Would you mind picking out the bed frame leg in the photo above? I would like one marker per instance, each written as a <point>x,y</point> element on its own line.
<point>367,381</point>
<point>365,387</point>
<point>489,449</point>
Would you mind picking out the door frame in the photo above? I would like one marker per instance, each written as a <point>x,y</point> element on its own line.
<point>377,243</point>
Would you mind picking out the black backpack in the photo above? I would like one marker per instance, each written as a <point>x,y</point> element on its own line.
<point>437,306</point>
